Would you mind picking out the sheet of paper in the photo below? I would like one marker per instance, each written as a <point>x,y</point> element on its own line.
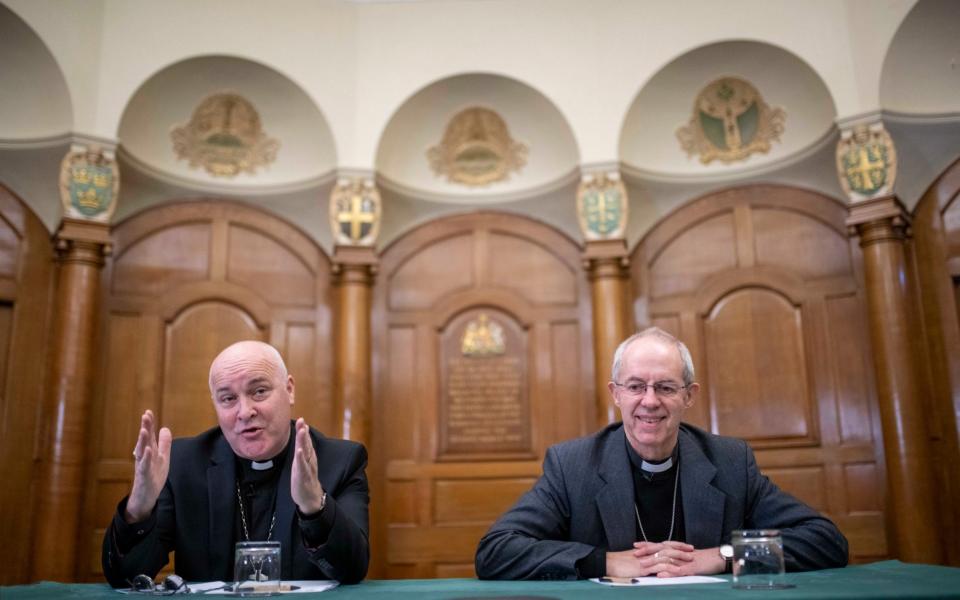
<point>641,581</point>
<point>221,588</point>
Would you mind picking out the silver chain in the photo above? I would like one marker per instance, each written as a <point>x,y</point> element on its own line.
<point>273,519</point>
<point>673,509</point>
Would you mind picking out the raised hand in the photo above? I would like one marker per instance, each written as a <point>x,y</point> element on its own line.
<point>151,466</point>
<point>305,488</point>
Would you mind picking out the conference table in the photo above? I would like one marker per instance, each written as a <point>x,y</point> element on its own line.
<point>888,579</point>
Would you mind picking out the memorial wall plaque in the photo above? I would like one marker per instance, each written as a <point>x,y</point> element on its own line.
<point>484,400</point>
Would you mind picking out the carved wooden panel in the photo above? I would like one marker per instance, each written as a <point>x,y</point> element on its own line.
<point>186,280</point>
<point>26,287</point>
<point>936,246</point>
<point>438,478</point>
<point>761,283</point>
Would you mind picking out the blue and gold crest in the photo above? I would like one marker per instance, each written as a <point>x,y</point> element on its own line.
<point>602,206</point>
<point>89,182</point>
<point>866,162</point>
<point>355,212</point>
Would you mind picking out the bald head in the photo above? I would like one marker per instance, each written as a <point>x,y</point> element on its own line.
<point>244,352</point>
<point>252,394</point>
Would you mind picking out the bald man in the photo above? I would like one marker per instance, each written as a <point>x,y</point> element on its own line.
<point>257,477</point>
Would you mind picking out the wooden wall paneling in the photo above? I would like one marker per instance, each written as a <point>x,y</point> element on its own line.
<point>765,276</point>
<point>26,288</point>
<point>187,279</point>
<point>433,283</point>
<point>936,247</point>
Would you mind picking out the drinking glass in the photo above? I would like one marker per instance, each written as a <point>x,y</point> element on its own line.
<point>758,559</point>
<point>256,568</point>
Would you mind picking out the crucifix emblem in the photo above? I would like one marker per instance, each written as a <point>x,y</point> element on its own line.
<point>866,162</point>
<point>355,212</point>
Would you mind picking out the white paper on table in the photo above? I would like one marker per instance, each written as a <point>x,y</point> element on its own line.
<point>220,588</point>
<point>643,581</point>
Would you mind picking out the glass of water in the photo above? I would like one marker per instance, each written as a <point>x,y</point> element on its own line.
<point>256,568</point>
<point>758,559</point>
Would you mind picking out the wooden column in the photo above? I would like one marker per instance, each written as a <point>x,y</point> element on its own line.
<point>81,246</point>
<point>881,225</point>
<point>606,264</point>
<point>354,269</point>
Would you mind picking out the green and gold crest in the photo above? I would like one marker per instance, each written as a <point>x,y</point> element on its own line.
<point>866,162</point>
<point>355,212</point>
<point>730,121</point>
<point>602,206</point>
<point>89,183</point>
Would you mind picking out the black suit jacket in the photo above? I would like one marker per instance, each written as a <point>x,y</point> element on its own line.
<point>584,500</point>
<point>197,508</point>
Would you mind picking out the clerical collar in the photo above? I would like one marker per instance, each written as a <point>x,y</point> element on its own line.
<point>650,469</point>
<point>261,466</point>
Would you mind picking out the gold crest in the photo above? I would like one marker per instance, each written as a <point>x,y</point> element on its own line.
<point>866,162</point>
<point>730,121</point>
<point>477,149</point>
<point>602,206</point>
<point>89,184</point>
<point>355,212</point>
<point>225,137</point>
<point>483,337</point>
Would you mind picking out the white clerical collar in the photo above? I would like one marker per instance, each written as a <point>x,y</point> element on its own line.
<point>656,467</point>
<point>261,466</point>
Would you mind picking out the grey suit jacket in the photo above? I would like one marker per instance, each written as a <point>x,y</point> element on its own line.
<point>197,508</point>
<point>584,500</point>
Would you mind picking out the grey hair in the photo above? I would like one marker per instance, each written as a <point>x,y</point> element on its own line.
<point>685,358</point>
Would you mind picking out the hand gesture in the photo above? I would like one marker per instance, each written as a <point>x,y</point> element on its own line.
<point>305,488</point>
<point>151,466</point>
<point>648,558</point>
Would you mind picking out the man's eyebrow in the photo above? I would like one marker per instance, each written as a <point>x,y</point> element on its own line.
<point>258,380</point>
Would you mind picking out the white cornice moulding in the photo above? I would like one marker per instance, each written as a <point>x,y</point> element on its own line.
<point>38,143</point>
<point>227,190</point>
<point>829,138</point>
<point>865,118</point>
<point>921,119</point>
<point>572,177</point>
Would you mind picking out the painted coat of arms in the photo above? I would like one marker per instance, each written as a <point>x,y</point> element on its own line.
<point>224,137</point>
<point>89,184</point>
<point>730,121</point>
<point>866,162</point>
<point>355,212</point>
<point>602,206</point>
<point>477,149</point>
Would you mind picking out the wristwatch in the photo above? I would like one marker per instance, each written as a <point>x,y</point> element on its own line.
<point>726,553</point>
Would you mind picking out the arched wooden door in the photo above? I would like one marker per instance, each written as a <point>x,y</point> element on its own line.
<point>184,281</point>
<point>762,283</point>
<point>482,360</point>
<point>936,244</point>
<point>26,285</point>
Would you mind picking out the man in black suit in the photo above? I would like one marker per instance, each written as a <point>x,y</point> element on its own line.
<point>651,495</point>
<point>258,476</point>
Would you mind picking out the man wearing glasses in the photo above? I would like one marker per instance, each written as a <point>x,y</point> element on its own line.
<point>650,496</point>
<point>259,476</point>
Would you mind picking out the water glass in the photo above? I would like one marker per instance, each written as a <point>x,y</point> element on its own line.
<point>256,568</point>
<point>758,559</point>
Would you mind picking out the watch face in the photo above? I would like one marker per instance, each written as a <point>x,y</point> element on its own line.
<point>726,551</point>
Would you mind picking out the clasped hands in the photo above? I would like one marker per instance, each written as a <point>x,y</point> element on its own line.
<point>664,559</point>
<point>152,465</point>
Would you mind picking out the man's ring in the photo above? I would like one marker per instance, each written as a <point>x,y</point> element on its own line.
<point>657,555</point>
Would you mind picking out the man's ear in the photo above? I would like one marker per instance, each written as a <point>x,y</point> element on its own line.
<point>613,388</point>
<point>692,390</point>
<point>290,387</point>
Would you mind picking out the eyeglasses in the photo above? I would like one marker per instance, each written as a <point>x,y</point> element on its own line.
<point>663,389</point>
<point>172,584</point>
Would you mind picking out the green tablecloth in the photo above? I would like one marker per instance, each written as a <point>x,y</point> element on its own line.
<point>890,579</point>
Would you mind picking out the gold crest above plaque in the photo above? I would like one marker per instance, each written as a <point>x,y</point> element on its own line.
<point>483,337</point>
<point>866,162</point>
<point>224,137</point>
<point>602,206</point>
<point>355,212</point>
<point>477,149</point>
<point>89,184</point>
<point>730,121</point>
